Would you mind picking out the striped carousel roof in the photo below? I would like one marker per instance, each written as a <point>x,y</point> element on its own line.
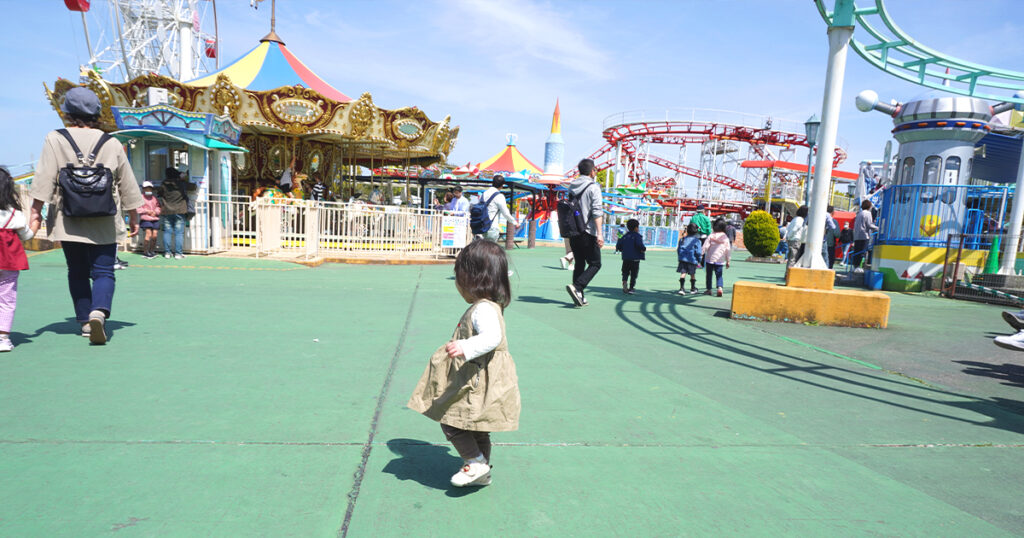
<point>509,160</point>
<point>268,66</point>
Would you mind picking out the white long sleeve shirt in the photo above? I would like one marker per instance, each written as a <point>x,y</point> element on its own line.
<point>488,332</point>
<point>498,206</point>
<point>18,223</point>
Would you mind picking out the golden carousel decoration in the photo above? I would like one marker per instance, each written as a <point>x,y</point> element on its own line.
<point>286,110</point>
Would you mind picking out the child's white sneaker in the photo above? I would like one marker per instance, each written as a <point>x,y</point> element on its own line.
<point>6,345</point>
<point>472,474</point>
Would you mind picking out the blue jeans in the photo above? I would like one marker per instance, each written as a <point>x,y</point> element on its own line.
<point>174,225</point>
<point>90,262</point>
<point>715,268</point>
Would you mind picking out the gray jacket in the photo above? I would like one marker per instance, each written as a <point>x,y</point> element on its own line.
<point>591,201</point>
<point>863,225</point>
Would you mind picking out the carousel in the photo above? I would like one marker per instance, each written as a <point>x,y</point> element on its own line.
<point>283,110</point>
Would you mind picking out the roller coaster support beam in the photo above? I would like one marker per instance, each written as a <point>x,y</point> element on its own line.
<point>840,31</point>
<point>618,165</point>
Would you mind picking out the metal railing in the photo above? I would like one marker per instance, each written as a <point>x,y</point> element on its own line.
<point>307,229</point>
<point>926,215</point>
<point>970,273</point>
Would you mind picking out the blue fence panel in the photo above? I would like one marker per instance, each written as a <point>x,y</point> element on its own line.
<point>926,215</point>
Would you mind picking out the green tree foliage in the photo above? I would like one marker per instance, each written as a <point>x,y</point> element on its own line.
<point>761,234</point>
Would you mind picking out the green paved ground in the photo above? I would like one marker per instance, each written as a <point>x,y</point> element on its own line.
<point>244,397</point>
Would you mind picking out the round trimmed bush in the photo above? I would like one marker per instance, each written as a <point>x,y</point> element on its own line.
<point>761,234</point>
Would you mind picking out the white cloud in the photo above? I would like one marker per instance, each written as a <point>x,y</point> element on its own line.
<point>517,30</point>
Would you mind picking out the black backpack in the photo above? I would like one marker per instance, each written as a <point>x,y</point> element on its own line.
<point>571,221</point>
<point>479,217</point>
<point>86,190</point>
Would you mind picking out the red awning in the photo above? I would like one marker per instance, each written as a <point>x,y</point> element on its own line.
<point>796,167</point>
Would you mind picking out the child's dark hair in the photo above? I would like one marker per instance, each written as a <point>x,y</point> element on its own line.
<point>632,225</point>
<point>8,198</point>
<point>719,225</point>
<point>692,229</point>
<point>481,272</point>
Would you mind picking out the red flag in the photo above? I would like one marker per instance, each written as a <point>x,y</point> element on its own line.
<point>77,5</point>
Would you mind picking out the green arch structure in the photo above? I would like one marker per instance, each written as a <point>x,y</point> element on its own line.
<point>900,55</point>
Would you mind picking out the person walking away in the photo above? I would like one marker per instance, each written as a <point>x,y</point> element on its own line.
<point>689,252</point>
<point>703,223</point>
<point>717,251</point>
<point>863,225</point>
<point>831,236</point>
<point>470,385</point>
<point>497,206</point>
<point>783,248</point>
<point>13,260</point>
<point>632,247</point>
<point>796,233</point>
<point>730,232</point>
<point>149,216</point>
<point>586,247</point>
<point>173,196</point>
<point>89,243</point>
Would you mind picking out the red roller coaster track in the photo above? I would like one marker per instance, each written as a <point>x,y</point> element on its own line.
<point>692,132</point>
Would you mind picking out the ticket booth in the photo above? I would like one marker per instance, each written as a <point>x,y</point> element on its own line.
<point>200,144</point>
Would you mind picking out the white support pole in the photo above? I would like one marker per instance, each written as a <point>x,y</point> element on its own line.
<point>185,71</point>
<point>618,165</point>
<point>1016,220</point>
<point>838,45</point>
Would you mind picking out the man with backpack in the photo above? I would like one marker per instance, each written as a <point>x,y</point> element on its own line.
<point>483,214</point>
<point>587,204</point>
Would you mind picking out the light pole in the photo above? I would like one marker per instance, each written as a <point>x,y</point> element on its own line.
<point>811,129</point>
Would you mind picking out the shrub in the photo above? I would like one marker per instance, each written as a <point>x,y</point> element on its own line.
<point>760,234</point>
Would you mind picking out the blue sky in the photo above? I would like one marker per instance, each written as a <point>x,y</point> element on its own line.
<point>497,67</point>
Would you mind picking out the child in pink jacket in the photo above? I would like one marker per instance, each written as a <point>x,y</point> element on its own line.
<point>149,216</point>
<point>717,252</point>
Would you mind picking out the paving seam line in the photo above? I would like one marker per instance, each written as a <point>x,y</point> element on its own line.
<point>542,444</point>
<point>353,495</point>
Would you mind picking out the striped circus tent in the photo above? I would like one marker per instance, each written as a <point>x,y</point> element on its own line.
<point>509,160</point>
<point>270,65</point>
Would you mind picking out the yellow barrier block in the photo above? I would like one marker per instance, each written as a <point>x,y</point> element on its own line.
<point>815,279</point>
<point>844,308</point>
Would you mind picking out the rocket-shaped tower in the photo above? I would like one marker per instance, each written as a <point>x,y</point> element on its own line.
<point>554,148</point>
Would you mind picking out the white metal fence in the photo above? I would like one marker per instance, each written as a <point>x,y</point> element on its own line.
<point>307,229</point>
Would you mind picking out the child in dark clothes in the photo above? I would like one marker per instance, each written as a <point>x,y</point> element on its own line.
<point>632,248</point>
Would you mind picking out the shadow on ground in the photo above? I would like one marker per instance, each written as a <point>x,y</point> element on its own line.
<point>430,465</point>
<point>675,323</point>
<point>69,327</point>
<point>1010,374</point>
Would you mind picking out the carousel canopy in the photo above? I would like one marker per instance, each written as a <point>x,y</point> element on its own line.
<point>509,160</point>
<point>268,66</point>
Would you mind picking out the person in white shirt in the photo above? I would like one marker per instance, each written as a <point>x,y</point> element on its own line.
<point>459,204</point>
<point>497,206</point>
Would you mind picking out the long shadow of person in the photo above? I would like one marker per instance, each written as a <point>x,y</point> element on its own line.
<point>69,326</point>
<point>430,465</point>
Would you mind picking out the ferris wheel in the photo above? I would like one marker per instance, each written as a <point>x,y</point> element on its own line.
<point>128,38</point>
